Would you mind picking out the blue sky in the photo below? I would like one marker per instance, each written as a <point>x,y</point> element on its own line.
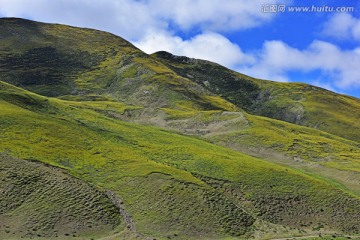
<point>311,41</point>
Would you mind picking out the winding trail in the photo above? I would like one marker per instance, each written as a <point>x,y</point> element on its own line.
<point>126,216</point>
<point>119,204</point>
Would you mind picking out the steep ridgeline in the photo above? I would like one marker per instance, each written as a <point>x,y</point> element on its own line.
<point>291,102</point>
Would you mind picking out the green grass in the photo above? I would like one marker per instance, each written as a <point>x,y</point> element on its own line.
<point>165,178</point>
<point>315,152</point>
<point>313,107</point>
<point>175,186</point>
<point>308,144</point>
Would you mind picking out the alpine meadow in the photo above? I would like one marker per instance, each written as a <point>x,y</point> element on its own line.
<point>99,140</point>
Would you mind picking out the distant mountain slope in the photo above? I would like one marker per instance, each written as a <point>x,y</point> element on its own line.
<point>172,185</point>
<point>291,102</point>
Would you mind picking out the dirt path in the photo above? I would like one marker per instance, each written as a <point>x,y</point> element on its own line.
<point>119,204</point>
<point>130,226</point>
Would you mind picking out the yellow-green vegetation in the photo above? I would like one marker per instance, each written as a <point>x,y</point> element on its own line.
<point>188,109</point>
<point>292,102</point>
<point>48,54</point>
<point>300,142</point>
<point>172,185</point>
<point>331,153</point>
<point>330,237</point>
<point>305,143</point>
<point>316,152</point>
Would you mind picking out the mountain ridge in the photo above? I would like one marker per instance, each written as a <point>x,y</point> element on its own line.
<point>108,73</point>
<point>290,104</point>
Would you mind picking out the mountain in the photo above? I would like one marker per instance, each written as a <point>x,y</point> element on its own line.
<point>100,140</point>
<point>297,103</point>
<point>62,61</point>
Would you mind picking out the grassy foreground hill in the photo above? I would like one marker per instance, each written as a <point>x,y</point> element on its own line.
<point>115,121</point>
<point>42,201</point>
<point>172,186</point>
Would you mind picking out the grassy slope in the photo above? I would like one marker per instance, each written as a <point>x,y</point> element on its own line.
<point>79,66</point>
<point>313,151</point>
<point>42,201</point>
<point>118,71</point>
<point>172,185</point>
<point>292,102</point>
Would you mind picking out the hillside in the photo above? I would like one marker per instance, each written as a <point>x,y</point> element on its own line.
<point>62,61</point>
<point>315,152</point>
<point>42,201</point>
<point>170,147</point>
<point>160,185</point>
<point>291,102</point>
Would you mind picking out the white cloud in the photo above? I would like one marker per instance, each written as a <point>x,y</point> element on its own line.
<point>127,18</point>
<point>210,46</point>
<point>213,15</point>
<point>133,19</point>
<point>343,26</point>
<point>339,68</point>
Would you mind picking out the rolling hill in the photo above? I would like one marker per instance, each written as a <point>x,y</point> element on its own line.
<point>158,146</point>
